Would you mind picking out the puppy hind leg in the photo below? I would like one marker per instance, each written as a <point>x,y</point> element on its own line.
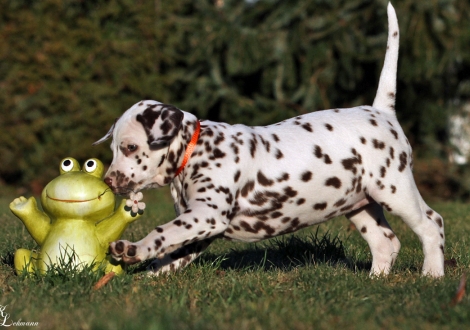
<point>435,240</point>
<point>374,228</point>
<point>407,203</point>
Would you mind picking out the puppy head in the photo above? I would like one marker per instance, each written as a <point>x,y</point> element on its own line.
<point>141,141</point>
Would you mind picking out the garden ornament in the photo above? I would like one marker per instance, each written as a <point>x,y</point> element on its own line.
<point>79,220</point>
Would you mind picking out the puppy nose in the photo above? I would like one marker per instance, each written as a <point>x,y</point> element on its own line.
<point>108,181</point>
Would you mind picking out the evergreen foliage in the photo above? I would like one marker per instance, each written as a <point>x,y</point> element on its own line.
<point>69,68</point>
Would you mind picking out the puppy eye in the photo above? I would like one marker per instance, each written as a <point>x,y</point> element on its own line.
<point>131,147</point>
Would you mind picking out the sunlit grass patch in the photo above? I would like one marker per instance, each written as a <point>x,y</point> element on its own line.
<point>316,278</point>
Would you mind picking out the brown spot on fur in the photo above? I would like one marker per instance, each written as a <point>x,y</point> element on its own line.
<point>263,180</point>
<point>306,176</point>
<point>383,171</point>
<point>320,206</point>
<point>333,181</point>
<point>318,152</point>
<point>340,202</point>
<point>378,144</point>
<point>279,154</point>
<point>249,186</point>
<point>390,236</point>
<point>307,127</point>
<point>236,176</point>
<point>403,162</point>
<point>283,177</point>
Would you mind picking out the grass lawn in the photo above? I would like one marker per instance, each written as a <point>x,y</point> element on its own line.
<point>316,278</point>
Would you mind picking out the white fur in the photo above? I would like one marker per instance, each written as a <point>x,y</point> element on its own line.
<point>250,183</point>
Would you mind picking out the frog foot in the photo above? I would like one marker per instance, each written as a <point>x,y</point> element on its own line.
<point>25,260</point>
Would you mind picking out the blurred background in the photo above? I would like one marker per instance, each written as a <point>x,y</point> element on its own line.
<point>69,68</point>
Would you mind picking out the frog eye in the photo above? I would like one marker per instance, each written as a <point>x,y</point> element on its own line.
<point>94,167</point>
<point>68,165</point>
<point>90,165</point>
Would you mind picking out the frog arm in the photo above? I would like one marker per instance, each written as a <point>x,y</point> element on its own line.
<point>112,228</point>
<point>36,222</point>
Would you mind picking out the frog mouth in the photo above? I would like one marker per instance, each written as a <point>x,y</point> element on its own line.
<point>77,200</point>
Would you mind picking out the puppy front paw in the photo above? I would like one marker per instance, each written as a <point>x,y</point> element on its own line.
<point>125,251</point>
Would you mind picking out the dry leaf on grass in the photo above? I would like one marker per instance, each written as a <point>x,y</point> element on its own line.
<point>351,227</point>
<point>104,280</point>
<point>460,291</point>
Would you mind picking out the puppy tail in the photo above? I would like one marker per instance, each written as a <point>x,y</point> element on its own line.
<point>385,97</point>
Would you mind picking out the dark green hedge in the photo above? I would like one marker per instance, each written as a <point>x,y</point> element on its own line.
<point>69,68</point>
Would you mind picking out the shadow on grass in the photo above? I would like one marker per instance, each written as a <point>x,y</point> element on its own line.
<point>286,253</point>
<point>7,259</point>
<point>283,253</point>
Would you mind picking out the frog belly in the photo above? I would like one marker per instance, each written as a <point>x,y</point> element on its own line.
<point>74,243</point>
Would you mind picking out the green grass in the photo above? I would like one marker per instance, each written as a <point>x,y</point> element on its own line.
<point>316,278</point>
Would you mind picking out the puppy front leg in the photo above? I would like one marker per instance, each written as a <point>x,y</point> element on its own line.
<point>197,223</point>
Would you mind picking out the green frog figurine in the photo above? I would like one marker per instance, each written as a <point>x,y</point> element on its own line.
<point>78,222</point>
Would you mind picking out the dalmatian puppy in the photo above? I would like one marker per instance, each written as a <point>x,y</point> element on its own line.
<point>250,183</point>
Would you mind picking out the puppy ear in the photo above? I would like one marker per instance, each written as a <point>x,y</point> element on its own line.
<point>161,124</point>
<point>107,136</point>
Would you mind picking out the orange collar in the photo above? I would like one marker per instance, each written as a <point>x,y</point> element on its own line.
<point>190,148</point>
